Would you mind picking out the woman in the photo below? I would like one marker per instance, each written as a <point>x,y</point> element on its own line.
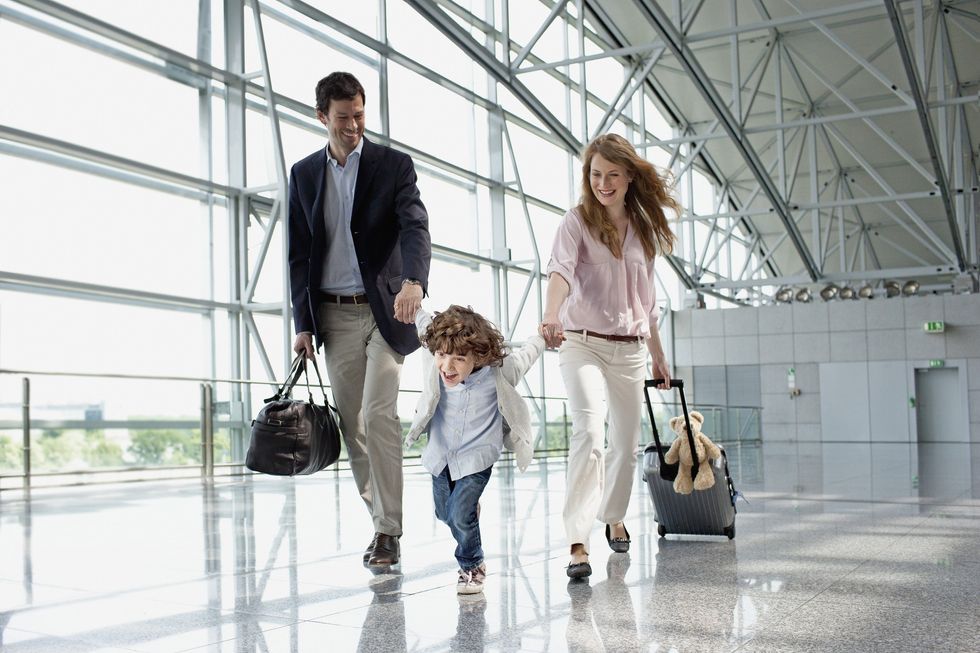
<point>600,307</point>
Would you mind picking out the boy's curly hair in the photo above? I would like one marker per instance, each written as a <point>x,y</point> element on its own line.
<point>460,331</point>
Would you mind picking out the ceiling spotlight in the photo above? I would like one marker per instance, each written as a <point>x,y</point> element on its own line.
<point>847,293</point>
<point>892,289</point>
<point>910,288</point>
<point>829,292</point>
<point>803,295</point>
<point>784,295</point>
<point>866,291</point>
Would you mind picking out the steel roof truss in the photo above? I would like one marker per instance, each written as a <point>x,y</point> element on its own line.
<point>904,224</point>
<point>865,64</point>
<point>502,73</point>
<point>623,97</point>
<point>801,17</point>
<point>943,251</point>
<point>556,9</point>
<point>814,70</point>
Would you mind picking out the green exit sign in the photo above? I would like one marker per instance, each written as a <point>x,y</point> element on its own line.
<point>937,362</point>
<point>934,327</point>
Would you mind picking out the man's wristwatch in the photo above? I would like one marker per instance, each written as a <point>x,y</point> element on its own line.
<point>411,282</point>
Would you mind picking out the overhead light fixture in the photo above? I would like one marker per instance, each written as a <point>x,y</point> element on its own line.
<point>829,292</point>
<point>892,289</point>
<point>803,295</point>
<point>784,295</point>
<point>866,291</point>
<point>910,287</point>
<point>847,293</point>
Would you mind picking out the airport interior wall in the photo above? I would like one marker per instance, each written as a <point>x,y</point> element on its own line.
<point>856,365</point>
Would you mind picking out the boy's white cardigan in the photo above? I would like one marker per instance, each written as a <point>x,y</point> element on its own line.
<point>513,408</point>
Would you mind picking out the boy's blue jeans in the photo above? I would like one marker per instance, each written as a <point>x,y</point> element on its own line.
<point>455,503</point>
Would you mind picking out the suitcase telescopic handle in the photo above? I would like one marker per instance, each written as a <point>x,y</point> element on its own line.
<point>679,384</point>
<point>674,383</point>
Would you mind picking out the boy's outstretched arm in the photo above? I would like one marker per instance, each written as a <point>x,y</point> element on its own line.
<point>521,360</point>
<point>422,321</point>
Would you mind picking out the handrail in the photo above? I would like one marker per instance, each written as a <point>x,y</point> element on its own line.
<point>196,379</point>
<point>208,424</point>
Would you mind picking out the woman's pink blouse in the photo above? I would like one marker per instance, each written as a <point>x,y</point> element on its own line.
<point>608,295</point>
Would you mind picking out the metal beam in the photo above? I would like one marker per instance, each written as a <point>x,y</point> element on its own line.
<point>669,33</point>
<point>461,37</point>
<point>556,9</point>
<point>923,112</point>
<point>79,165</point>
<point>815,71</point>
<point>625,95</point>
<point>801,17</point>
<point>885,186</point>
<point>605,54</point>
<point>387,52</point>
<point>96,292</point>
<point>780,125</point>
<point>924,272</point>
<point>105,30</point>
<point>53,145</point>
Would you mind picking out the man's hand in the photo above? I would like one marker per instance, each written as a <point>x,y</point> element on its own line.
<point>304,343</point>
<point>408,302</point>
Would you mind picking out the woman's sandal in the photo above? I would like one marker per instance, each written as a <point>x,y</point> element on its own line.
<point>618,544</point>
<point>579,570</point>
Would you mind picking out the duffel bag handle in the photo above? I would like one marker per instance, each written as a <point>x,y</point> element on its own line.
<point>316,368</point>
<point>292,377</point>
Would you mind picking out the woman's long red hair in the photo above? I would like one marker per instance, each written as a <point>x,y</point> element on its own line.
<point>646,198</point>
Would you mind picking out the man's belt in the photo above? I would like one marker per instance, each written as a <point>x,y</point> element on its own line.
<point>345,299</point>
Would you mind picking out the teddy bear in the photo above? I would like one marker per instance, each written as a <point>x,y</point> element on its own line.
<point>680,451</point>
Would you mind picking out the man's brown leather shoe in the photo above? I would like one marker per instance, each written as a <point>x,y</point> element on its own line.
<point>386,551</point>
<point>369,551</point>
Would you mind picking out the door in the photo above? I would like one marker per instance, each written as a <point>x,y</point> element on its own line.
<point>938,406</point>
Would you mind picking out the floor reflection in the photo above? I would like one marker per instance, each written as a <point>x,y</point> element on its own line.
<point>386,614</point>
<point>264,564</point>
<point>603,616</point>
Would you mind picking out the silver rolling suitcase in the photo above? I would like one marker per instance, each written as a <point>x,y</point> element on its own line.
<point>703,512</point>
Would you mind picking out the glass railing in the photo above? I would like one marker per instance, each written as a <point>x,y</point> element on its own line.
<point>123,427</point>
<point>723,424</point>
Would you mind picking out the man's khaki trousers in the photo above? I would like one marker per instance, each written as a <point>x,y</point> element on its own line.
<point>364,374</point>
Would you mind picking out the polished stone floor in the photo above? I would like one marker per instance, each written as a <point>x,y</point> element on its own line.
<point>840,547</point>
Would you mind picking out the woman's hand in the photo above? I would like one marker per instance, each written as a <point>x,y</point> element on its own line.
<point>552,332</point>
<point>660,370</point>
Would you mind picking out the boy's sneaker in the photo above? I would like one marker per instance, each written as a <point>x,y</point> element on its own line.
<point>471,582</point>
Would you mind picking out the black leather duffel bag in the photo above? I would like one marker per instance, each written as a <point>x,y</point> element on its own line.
<point>291,437</point>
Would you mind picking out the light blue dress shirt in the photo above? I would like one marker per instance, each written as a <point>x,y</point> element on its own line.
<point>466,432</point>
<point>341,272</point>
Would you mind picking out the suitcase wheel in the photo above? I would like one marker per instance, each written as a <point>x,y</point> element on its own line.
<point>730,531</point>
<point>662,530</point>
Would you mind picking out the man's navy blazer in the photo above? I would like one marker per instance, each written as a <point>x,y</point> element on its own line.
<point>390,229</point>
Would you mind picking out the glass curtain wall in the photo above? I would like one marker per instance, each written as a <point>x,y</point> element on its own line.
<point>142,167</point>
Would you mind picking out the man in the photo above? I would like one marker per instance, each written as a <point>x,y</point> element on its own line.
<point>359,253</point>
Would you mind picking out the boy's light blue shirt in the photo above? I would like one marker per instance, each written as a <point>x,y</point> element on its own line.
<point>466,432</point>
<point>514,413</point>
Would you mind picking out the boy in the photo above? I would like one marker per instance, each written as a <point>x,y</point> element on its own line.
<point>471,409</point>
